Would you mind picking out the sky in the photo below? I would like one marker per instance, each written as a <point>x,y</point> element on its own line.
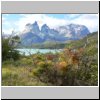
<point>17,22</point>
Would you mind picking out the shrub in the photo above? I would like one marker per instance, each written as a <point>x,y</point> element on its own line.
<point>62,66</point>
<point>6,73</point>
<point>8,47</point>
<point>71,68</point>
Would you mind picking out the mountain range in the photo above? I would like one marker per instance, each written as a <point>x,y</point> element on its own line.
<point>32,34</point>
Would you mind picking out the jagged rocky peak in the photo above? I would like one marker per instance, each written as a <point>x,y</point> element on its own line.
<point>74,26</point>
<point>28,24</point>
<point>35,27</point>
<point>45,28</point>
<point>62,33</point>
<point>73,29</point>
<point>35,23</point>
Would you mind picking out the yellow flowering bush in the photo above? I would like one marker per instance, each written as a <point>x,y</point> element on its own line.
<point>61,65</point>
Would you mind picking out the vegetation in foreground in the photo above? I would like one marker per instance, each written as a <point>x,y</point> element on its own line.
<point>76,65</point>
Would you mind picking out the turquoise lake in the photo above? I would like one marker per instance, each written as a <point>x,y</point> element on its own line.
<point>34,51</point>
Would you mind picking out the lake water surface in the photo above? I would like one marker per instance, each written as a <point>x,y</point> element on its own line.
<point>34,51</point>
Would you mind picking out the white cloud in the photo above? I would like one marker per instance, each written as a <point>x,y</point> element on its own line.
<point>89,20</point>
<point>8,27</point>
<point>41,19</point>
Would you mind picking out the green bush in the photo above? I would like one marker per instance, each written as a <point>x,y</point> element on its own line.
<point>8,50</point>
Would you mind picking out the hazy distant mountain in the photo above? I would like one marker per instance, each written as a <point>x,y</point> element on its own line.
<point>32,33</point>
<point>73,31</point>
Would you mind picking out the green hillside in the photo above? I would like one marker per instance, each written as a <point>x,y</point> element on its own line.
<point>91,39</point>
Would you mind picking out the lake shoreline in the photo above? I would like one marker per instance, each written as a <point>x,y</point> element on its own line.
<point>28,52</point>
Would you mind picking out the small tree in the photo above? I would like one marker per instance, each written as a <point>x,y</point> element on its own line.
<point>8,47</point>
